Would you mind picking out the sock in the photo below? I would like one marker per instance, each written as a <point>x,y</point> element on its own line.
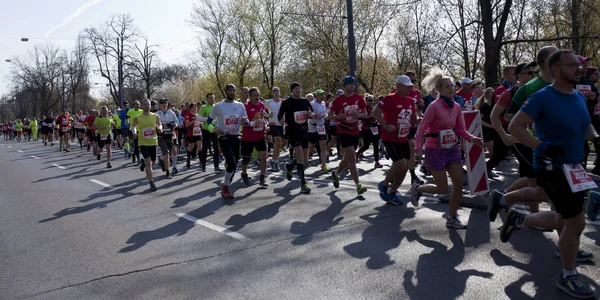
<point>412,173</point>
<point>566,273</point>
<point>262,177</point>
<point>174,161</point>
<point>189,155</point>
<point>168,173</point>
<point>227,178</point>
<point>503,201</point>
<point>300,168</point>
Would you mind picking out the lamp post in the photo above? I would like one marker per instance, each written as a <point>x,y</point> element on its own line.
<point>351,41</point>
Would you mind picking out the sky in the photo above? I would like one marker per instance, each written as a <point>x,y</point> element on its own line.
<point>163,22</point>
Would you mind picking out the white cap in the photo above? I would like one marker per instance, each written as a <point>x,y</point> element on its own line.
<point>404,80</point>
<point>466,80</point>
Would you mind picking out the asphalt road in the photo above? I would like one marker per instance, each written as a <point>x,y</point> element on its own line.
<point>71,229</point>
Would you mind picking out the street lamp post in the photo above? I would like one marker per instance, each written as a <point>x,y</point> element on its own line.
<point>351,40</point>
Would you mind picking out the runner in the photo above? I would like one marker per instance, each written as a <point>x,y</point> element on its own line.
<point>317,133</point>
<point>370,132</point>
<point>80,128</point>
<point>89,131</point>
<point>102,125</point>
<point>347,109</point>
<point>253,137</point>
<point>484,106</point>
<point>276,128</point>
<point>5,131</point>
<point>131,114</point>
<point>19,129</point>
<point>34,128</point>
<point>117,130</point>
<point>562,125</point>
<point>48,129</point>
<point>149,126</point>
<point>230,114</point>
<point>26,130</point>
<point>509,78</point>
<point>194,134</point>
<point>169,122</point>
<point>333,125</point>
<point>415,94</point>
<point>208,137</point>
<point>466,94</point>
<point>442,122</point>
<point>397,114</point>
<point>64,122</point>
<point>125,132</point>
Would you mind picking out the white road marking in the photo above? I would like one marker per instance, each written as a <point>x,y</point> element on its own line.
<point>214,227</point>
<point>98,182</point>
<point>2,144</point>
<point>33,156</point>
<point>60,167</point>
<point>20,151</point>
<point>9,146</point>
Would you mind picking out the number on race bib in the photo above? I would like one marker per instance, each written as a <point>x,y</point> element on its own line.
<point>258,126</point>
<point>148,133</point>
<point>448,139</point>
<point>300,117</point>
<point>65,129</point>
<point>321,129</point>
<point>197,130</point>
<point>103,137</point>
<point>374,130</point>
<point>578,178</point>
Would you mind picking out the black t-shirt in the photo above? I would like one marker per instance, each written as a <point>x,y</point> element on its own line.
<point>49,121</point>
<point>486,112</point>
<point>292,109</point>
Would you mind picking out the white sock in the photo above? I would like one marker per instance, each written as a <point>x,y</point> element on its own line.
<point>566,273</point>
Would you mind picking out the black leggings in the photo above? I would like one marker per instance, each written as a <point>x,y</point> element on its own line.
<point>500,152</point>
<point>207,139</point>
<point>136,149</point>
<point>230,145</point>
<point>369,138</point>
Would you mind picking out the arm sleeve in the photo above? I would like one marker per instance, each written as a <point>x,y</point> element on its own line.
<point>427,117</point>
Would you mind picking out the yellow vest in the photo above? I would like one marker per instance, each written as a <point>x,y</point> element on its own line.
<point>146,130</point>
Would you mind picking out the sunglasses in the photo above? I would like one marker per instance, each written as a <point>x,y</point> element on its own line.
<point>530,73</point>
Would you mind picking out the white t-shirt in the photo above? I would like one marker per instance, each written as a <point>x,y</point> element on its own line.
<point>167,117</point>
<point>319,110</point>
<point>273,107</point>
<point>229,116</point>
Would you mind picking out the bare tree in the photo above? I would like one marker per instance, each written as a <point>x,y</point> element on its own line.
<point>143,63</point>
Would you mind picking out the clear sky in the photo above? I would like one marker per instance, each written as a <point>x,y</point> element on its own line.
<point>163,22</point>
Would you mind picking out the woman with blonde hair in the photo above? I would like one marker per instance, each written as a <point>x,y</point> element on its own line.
<point>484,105</point>
<point>440,125</point>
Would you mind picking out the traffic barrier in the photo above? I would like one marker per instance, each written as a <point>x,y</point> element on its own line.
<point>476,168</point>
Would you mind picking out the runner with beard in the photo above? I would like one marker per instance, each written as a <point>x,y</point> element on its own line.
<point>297,112</point>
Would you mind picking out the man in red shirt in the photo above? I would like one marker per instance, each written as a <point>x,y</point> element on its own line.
<point>414,94</point>
<point>397,114</point>
<point>347,109</point>
<point>509,80</point>
<point>253,137</point>
<point>194,132</point>
<point>91,133</point>
<point>466,93</point>
<point>64,122</point>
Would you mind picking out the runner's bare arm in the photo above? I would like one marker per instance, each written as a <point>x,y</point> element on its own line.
<point>518,128</point>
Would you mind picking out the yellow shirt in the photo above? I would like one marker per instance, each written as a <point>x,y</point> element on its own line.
<point>146,130</point>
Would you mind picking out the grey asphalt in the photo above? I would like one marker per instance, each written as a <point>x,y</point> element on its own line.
<point>63,236</point>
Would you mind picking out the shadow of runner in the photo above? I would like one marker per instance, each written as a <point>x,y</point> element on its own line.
<point>437,276</point>
<point>319,222</point>
<point>383,235</point>
<point>262,213</point>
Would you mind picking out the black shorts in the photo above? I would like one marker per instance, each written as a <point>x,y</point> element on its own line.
<point>275,131</point>
<point>297,138</point>
<point>102,143</point>
<point>556,186</point>
<point>524,155</point>
<point>166,144</point>
<point>125,132</point>
<point>348,140</point>
<point>249,146</point>
<point>47,130</point>
<point>314,137</point>
<point>333,130</point>
<point>89,134</point>
<point>80,130</point>
<point>397,151</point>
<point>62,133</point>
<point>148,152</point>
<point>193,138</point>
<point>488,134</point>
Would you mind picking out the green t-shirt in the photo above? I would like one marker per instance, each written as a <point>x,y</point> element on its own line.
<point>146,130</point>
<point>205,112</point>
<point>117,121</point>
<point>524,92</point>
<point>103,122</point>
<point>19,126</point>
<point>33,124</point>
<point>132,113</point>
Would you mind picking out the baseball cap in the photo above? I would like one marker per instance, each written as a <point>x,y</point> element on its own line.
<point>339,92</point>
<point>319,91</point>
<point>348,80</point>
<point>404,80</point>
<point>466,80</point>
<point>591,71</point>
<point>583,59</point>
<point>522,66</point>
<point>275,89</point>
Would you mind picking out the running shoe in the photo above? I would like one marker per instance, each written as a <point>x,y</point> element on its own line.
<point>377,165</point>
<point>574,287</point>
<point>512,220</point>
<point>225,193</point>
<point>454,222</point>
<point>395,199</point>
<point>262,183</point>
<point>592,205</point>
<point>288,171</point>
<point>108,165</point>
<point>245,180</point>
<point>169,176</point>
<point>336,179</point>
<point>203,169</point>
<point>582,256</point>
<point>414,194</point>
<point>383,192</point>
<point>324,168</point>
<point>174,171</point>
<point>98,157</point>
<point>276,166</point>
<point>493,205</point>
<point>360,189</point>
<point>152,186</point>
<point>142,165</point>
<point>305,189</point>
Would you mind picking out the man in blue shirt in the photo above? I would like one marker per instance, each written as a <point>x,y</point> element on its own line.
<point>125,133</point>
<point>562,125</point>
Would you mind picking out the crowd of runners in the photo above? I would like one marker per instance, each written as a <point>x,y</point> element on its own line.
<point>545,113</point>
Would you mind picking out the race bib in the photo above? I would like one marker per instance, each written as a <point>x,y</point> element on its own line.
<point>403,130</point>
<point>258,126</point>
<point>197,131</point>
<point>148,133</point>
<point>166,129</point>
<point>103,137</point>
<point>65,129</point>
<point>578,178</point>
<point>374,130</point>
<point>597,109</point>
<point>584,89</point>
<point>300,117</point>
<point>232,123</point>
<point>348,110</point>
<point>321,129</point>
<point>448,139</point>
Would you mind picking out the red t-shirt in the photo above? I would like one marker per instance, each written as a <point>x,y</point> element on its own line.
<point>415,95</point>
<point>400,112</point>
<point>467,99</point>
<point>89,121</point>
<point>346,105</point>
<point>195,129</point>
<point>255,113</point>
<point>498,93</point>
<point>504,100</point>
